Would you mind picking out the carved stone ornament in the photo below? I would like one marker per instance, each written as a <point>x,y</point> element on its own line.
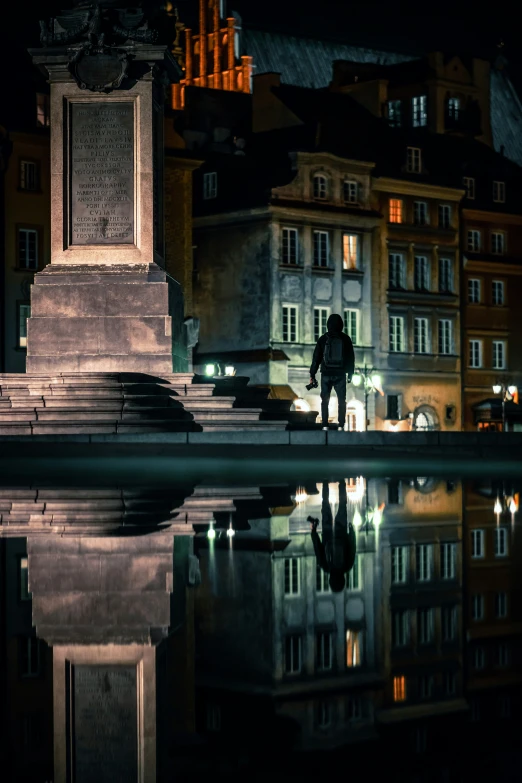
<point>99,68</point>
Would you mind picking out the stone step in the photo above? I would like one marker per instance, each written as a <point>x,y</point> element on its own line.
<point>104,427</point>
<point>246,426</point>
<point>237,415</point>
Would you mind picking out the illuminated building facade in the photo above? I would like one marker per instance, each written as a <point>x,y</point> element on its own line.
<point>211,57</point>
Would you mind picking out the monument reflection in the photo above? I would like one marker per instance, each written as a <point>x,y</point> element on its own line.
<point>159,633</point>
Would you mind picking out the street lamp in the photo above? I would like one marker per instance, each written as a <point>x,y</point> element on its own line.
<point>372,382</point>
<point>508,392</point>
<point>371,518</point>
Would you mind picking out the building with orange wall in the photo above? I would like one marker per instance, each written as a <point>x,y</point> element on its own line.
<point>211,56</point>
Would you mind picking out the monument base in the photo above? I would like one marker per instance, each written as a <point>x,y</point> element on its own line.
<point>105,318</point>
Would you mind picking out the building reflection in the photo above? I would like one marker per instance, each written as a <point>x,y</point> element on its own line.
<point>222,624</point>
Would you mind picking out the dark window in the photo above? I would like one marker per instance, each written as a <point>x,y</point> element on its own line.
<point>393,406</point>
<point>394,492</point>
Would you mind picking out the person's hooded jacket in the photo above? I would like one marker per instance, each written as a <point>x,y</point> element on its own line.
<point>335,326</point>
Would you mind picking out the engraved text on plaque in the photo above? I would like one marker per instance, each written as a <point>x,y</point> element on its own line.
<point>105,733</point>
<point>102,173</point>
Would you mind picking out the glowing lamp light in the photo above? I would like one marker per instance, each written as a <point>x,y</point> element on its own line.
<point>377,517</point>
<point>376,381</point>
<point>356,380</point>
<point>357,519</point>
<point>513,506</point>
<point>497,388</point>
<point>497,508</point>
<point>231,532</point>
<point>301,496</point>
<point>210,369</point>
<point>301,405</point>
<point>211,533</point>
<point>230,371</point>
<point>512,390</point>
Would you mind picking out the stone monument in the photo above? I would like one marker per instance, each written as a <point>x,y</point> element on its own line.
<point>105,303</point>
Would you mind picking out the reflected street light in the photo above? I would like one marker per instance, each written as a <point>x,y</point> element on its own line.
<point>372,382</point>
<point>508,393</point>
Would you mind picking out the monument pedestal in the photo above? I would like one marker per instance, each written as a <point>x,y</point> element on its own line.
<point>106,318</point>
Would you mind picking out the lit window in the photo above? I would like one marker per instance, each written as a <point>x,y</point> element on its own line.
<point>353,648</point>
<point>497,292</point>
<point>498,243</point>
<point>400,628</point>
<point>445,275</point>
<point>477,543</point>
<point>421,274</point>
<point>499,355</point>
<point>42,110</point>
<point>321,580</point>
<point>413,160</point>
<point>289,246</point>
<point>469,186</point>
<point>396,326</point>
<point>499,191</point>
<point>444,216</point>
<point>399,688</point>
<point>425,626</point>
<point>399,564</point>
<point>350,251</point>
<point>474,291</point>
<point>320,320</point>
<point>350,192</point>
<point>421,338</point>
<point>424,558</point>
<point>291,566</point>
<point>289,323</point>
<point>27,248</point>
<point>395,210</point>
<point>320,187</point>
<point>210,185</point>
<point>426,686</point>
<point>395,113</point>
<point>30,660</point>
<point>323,714</point>
<point>501,542</point>
<point>501,605</point>
<point>475,354</point>
<point>324,651</point>
<point>450,683</point>
<point>23,315</point>
<point>449,623</point>
<point>445,336</point>
<point>321,248</point>
<point>354,581</point>
<point>29,175</point>
<point>474,241</point>
<point>502,655</point>
<point>419,111</point>
<point>351,324</point>
<point>453,109</point>
<point>396,271</point>
<point>25,595</point>
<point>477,607</point>
<point>420,213</point>
<point>292,654</point>
<point>448,560</point>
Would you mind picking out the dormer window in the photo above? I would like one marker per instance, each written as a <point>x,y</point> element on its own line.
<point>419,111</point>
<point>210,185</point>
<point>499,192</point>
<point>395,113</point>
<point>453,109</point>
<point>350,192</point>
<point>413,160</point>
<point>320,187</point>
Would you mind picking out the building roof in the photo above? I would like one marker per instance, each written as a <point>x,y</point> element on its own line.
<point>308,62</point>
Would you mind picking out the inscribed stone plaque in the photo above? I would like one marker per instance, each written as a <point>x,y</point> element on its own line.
<point>105,732</point>
<point>102,173</point>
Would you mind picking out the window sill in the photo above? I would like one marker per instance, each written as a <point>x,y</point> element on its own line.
<point>353,273</point>
<point>328,270</point>
<point>290,266</point>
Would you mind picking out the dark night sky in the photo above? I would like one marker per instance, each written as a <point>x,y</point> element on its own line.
<point>458,26</point>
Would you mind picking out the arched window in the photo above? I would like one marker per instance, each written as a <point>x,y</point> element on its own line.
<point>425,418</point>
<point>320,186</point>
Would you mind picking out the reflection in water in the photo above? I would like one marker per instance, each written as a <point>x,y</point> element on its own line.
<point>201,627</point>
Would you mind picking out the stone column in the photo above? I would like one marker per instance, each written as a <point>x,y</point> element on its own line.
<point>104,303</point>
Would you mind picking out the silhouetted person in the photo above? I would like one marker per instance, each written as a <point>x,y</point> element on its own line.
<point>336,552</point>
<point>334,355</point>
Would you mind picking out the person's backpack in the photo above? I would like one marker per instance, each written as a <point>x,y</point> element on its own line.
<point>333,352</point>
